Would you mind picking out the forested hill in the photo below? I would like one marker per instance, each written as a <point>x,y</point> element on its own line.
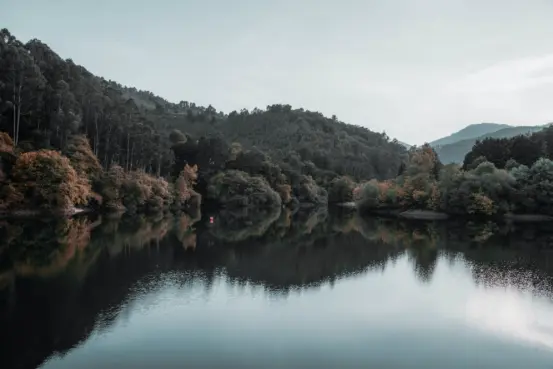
<point>455,152</point>
<point>472,131</point>
<point>45,100</point>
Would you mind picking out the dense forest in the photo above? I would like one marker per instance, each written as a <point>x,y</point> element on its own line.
<point>499,177</point>
<point>520,149</point>
<point>471,131</point>
<point>56,114</point>
<point>452,149</point>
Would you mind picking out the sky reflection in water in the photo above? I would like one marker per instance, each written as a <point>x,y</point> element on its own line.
<point>308,298</point>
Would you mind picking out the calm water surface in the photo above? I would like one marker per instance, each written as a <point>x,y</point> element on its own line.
<point>275,290</point>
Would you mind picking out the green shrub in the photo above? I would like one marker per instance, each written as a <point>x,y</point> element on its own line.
<point>235,188</point>
<point>341,190</point>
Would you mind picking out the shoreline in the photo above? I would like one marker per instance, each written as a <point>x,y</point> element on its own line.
<point>417,214</point>
<point>411,214</point>
<point>30,213</point>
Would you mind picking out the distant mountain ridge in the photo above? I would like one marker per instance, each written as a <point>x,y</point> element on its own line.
<point>454,152</point>
<point>470,131</point>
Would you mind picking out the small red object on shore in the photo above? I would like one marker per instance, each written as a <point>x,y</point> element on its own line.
<point>210,219</point>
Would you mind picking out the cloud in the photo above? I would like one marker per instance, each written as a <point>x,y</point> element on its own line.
<point>509,77</point>
<point>513,314</point>
<point>516,91</point>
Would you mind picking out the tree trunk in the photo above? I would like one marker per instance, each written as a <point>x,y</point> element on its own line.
<point>58,124</point>
<point>158,172</point>
<point>16,138</point>
<point>106,149</point>
<point>14,117</point>
<point>86,115</point>
<point>131,157</point>
<point>128,151</point>
<point>97,134</point>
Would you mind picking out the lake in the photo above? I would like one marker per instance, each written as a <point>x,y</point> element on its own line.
<point>314,289</point>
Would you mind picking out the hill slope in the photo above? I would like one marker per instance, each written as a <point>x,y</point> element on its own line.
<point>471,131</point>
<point>132,128</point>
<point>455,152</point>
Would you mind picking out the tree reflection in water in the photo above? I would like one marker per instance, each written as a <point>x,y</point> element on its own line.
<point>61,280</point>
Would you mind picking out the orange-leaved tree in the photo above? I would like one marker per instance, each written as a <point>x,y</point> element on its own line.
<point>6,142</point>
<point>141,191</point>
<point>184,186</point>
<point>46,179</point>
<point>423,160</point>
<point>111,185</point>
<point>285,192</point>
<point>82,158</point>
<point>481,204</point>
<point>7,159</point>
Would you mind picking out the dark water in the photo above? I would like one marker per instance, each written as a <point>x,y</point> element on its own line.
<point>275,290</point>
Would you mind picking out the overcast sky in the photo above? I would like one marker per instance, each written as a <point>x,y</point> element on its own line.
<point>418,69</point>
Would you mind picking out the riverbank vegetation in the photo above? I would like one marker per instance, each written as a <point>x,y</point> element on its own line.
<point>71,140</point>
<point>480,188</point>
<point>47,180</point>
<point>115,137</point>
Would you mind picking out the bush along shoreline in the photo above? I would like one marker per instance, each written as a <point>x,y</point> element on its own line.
<point>426,189</point>
<point>50,182</point>
<point>72,181</point>
<point>46,101</point>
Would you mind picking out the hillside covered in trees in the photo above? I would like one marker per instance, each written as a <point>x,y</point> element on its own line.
<point>50,103</point>
<point>452,149</point>
<point>470,131</point>
<point>523,149</point>
<point>70,138</point>
<point>499,177</point>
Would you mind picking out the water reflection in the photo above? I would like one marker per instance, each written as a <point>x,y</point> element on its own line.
<point>65,282</point>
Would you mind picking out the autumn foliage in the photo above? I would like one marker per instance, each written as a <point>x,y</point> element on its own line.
<point>285,192</point>
<point>6,142</point>
<point>138,191</point>
<point>481,204</point>
<point>46,179</point>
<point>415,188</point>
<point>110,187</point>
<point>185,183</point>
<point>423,160</point>
<point>82,158</point>
<point>142,191</point>
<point>480,190</point>
<point>10,197</point>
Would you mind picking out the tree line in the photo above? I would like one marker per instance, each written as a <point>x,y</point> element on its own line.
<point>46,102</point>
<point>509,152</point>
<point>498,177</point>
<point>52,181</point>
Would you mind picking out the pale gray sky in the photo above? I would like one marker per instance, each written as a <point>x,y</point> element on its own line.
<point>418,69</point>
